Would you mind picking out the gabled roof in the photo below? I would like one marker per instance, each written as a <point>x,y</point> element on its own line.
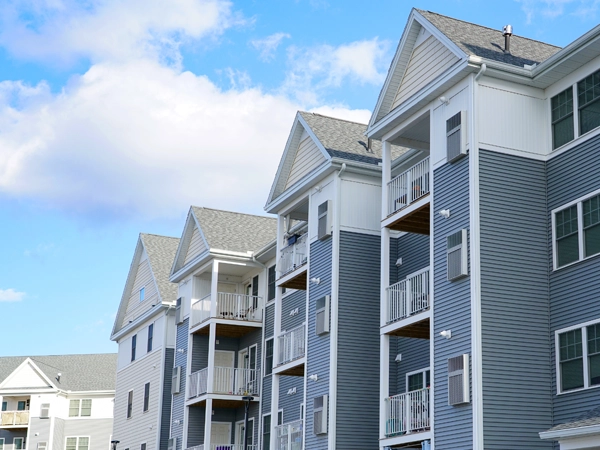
<point>336,138</point>
<point>95,372</point>
<point>488,43</point>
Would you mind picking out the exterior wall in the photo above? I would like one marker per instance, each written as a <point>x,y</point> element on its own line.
<point>415,356</point>
<point>361,204</point>
<point>196,247</point>
<point>143,279</point>
<point>514,301</point>
<point>165,413</point>
<point>10,435</point>
<point>571,175</point>
<point>291,396</point>
<point>414,251</point>
<point>318,347</point>
<point>429,60</point>
<point>58,441</point>
<point>308,158</point>
<point>158,336</point>
<point>178,402</point>
<point>296,301</point>
<point>98,430</point>
<point>195,425</point>
<point>451,305</point>
<point>39,431</point>
<point>358,341</point>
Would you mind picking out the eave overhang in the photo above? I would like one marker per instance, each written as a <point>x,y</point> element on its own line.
<point>570,433</point>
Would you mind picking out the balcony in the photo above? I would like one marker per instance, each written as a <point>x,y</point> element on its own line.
<point>405,301</point>
<point>227,381</point>
<point>224,447</point>
<point>292,263</point>
<point>292,349</point>
<point>237,314</point>
<point>407,413</point>
<point>15,419</point>
<point>289,435</point>
<point>408,202</point>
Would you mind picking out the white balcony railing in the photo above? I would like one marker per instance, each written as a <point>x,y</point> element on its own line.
<point>14,418</point>
<point>291,345</point>
<point>227,380</point>
<point>407,413</point>
<point>407,297</point>
<point>409,186</point>
<point>289,436</point>
<point>229,306</point>
<point>294,255</point>
<point>196,447</point>
<point>231,447</point>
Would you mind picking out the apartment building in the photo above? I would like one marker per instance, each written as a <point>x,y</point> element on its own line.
<point>62,402</point>
<point>144,330</point>
<point>489,240</point>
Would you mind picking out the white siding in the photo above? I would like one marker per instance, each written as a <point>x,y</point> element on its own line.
<point>428,61</point>
<point>361,206</point>
<point>458,102</point>
<point>196,247</point>
<point>308,157</point>
<point>143,279</point>
<point>26,376</point>
<point>98,430</point>
<point>327,193</point>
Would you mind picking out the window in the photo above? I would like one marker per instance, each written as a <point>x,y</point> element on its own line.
<point>78,443</point>
<point>280,417</point>
<point>44,410</point>
<point>456,255</point>
<point>42,445</point>
<point>2,442</point>
<point>322,315</point>
<point>269,356</point>
<point>588,96</point>
<point>81,408</point>
<point>456,136</point>
<point>133,344</point>
<point>19,443</point>
<point>577,231</point>
<point>146,396</point>
<point>150,336</point>
<point>129,404</point>
<point>271,276</point>
<point>22,405</point>
<point>578,351</point>
<point>143,446</point>
<point>4,406</point>
<point>418,380</point>
<point>142,294</point>
<point>266,437</point>
<point>562,118</point>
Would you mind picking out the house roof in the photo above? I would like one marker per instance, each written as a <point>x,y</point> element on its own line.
<point>476,40</point>
<point>342,139</point>
<point>161,252</point>
<point>233,231</point>
<point>95,372</point>
<point>589,418</point>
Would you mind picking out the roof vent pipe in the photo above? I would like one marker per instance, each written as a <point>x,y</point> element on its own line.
<point>507,33</point>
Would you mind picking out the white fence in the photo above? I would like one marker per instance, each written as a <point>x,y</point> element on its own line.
<point>291,345</point>
<point>227,380</point>
<point>229,306</point>
<point>231,446</point>
<point>14,418</point>
<point>294,255</point>
<point>407,297</point>
<point>409,186</point>
<point>407,413</point>
<point>196,447</point>
<point>289,436</point>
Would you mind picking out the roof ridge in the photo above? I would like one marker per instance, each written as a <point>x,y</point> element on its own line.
<point>158,235</point>
<point>486,27</point>
<point>234,212</point>
<point>334,118</point>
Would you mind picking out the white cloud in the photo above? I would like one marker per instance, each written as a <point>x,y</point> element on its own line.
<point>551,9</point>
<point>10,295</point>
<point>322,67</point>
<point>269,45</point>
<point>101,30</point>
<point>343,112</point>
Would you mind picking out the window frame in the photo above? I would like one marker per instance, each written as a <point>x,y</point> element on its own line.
<point>416,372</point>
<point>133,347</point>
<point>150,338</point>
<point>585,356</point>
<point>268,433</point>
<point>573,114</point>
<point>77,441</point>
<point>272,339</point>
<point>580,230</point>
<point>79,407</point>
<point>146,401</point>
<point>142,293</point>
<point>22,439</point>
<point>129,410</point>
<point>1,443</point>
<point>271,285</point>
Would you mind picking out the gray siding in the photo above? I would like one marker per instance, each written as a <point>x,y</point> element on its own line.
<point>451,305</point>
<point>58,442</point>
<point>179,399</point>
<point>414,251</point>
<point>165,417</point>
<point>41,427</point>
<point>514,302</point>
<point>9,435</point>
<point>199,352</point>
<point>196,417</point>
<point>415,356</point>
<point>296,300</point>
<point>358,341</point>
<point>317,358</point>
<point>291,403</point>
<point>270,320</point>
<point>99,431</point>
<point>570,176</point>
<point>266,394</point>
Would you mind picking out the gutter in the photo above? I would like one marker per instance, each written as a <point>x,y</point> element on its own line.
<point>151,312</point>
<point>571,432</point>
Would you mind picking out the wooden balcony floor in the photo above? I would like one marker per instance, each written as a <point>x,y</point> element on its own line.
<point>419,330</point>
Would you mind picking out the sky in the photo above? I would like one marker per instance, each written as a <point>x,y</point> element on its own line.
<point>116,116</point>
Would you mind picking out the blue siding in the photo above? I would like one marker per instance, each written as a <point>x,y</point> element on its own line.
<point>199,352</point>
<point>574,290</point>
<point>414,251</point>
<point>165,417</point>
<point>270,320</point>
<point>196,421</point>
<point>291,302</point>
<point>179,399</point>
<point>415,356</point>
<point>291,403</point>
<point>266,394</point>
<point>452,305</point>
<point>358,341</point>
<point>318,346</point>
<point>514,302</point>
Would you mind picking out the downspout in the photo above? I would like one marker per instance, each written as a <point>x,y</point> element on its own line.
<point>481,72</point>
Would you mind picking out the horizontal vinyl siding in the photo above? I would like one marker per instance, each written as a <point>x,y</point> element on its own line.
<point>195,427</point>
<point>270,320</point>
<point>58,441</point>
<point>290,403</point>
<point>415,356</point>
<point>574,290</point>
<point>42,432</point>
<point>514,302</point>
<point>358,341</point>
<point>266,394</point>
<point>165,419</point>
<point>308,158</point>
<point>196,247</point>
<point>143,279</point>
<point>98,430</point>
<point>414,251</point>
<point>452,306</point>
<point>318,346</point>
<point>289,303</point>
<point>178,401</point>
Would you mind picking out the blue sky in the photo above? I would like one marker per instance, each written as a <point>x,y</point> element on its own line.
<point>115,116</point>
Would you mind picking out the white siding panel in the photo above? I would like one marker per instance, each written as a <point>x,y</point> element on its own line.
<point>197,246</point>
<point>98,430</point>
<point>143,279</point>
<point>308,157</point>
<point>503,110</point>
<point>25,377</point>
<point>458,102</point>
<point>361,206</point>
<point>428,61</point>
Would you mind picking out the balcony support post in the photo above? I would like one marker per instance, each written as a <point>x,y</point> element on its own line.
<point>210,376</point>
<point>386,176</point>
<point>384,382</point>
<point>214,288</point>
<point>207,422</point>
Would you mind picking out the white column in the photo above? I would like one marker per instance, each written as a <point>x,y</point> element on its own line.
<point>385,273</point>
<point>214,286</point>
<point>274,407</point>
<point>212,337</point>
<point>386,176</point>
<point>384,381</point>
<point>207,423</point>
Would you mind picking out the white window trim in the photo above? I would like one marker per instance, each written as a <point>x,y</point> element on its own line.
<point>144,411</point>
<point>586,381</point>
<point>127,415</point>
<point>77,444</point>
<point>264,367</point>
<point>2,443</point>
<point>282,422</point>
<point>142,293</point>
<point>415,372</point>
<point>79,416</point>
<point>250,436</point>
<point>22,439</point>
<point>579,203</point>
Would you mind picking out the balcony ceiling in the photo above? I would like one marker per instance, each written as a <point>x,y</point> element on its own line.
<point>415,222</point>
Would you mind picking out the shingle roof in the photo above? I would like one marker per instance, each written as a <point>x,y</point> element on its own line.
<point>341,139</point>
<point>237,232</point>
<point>489,43</point>
<point>95,372</point>
<point>161,252</point>
<point>591,417</point>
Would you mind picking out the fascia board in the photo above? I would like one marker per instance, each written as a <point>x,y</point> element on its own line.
<point>190,267</point>
<point>571,432</point>
<point>458,52</point>
<point>156,310</point>
<point>313,136</point>
<point>188,229</point>
<point>92,393</point>
<point>133,268</point>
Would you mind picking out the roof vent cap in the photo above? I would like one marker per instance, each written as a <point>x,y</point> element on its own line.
<point>507,32</point>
